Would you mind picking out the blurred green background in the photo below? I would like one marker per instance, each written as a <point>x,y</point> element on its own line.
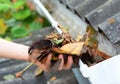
<point>18,18</point>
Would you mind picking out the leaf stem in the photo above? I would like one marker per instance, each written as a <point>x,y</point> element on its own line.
<point>27,67</point>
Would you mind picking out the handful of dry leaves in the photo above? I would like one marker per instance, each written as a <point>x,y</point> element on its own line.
<point>84,47</point>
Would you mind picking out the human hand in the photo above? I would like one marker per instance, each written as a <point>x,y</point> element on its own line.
<point>45,64</point>
<point>66,65</point>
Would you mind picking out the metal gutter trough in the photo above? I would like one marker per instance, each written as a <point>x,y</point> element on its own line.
<point>106,72</point>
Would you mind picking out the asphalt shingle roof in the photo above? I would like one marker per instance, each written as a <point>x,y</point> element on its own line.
<point>97,13</point>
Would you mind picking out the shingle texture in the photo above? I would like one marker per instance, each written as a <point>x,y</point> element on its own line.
<point>96,13</point>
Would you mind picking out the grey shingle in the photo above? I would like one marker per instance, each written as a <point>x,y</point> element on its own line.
<point>72,4</point>
<point>87,6</point>
<point>111,28</point>
<point>103,12</point>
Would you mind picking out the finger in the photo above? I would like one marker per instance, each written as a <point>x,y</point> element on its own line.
<point>39,64</point>
<point>42,66</point>
<point>46,64</point>
<point>62,62</point>
<point>48,60</point>
<point>69,63</point>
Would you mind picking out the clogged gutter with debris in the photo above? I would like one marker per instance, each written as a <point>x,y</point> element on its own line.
<point>84,47</point>
<point>92,39</point>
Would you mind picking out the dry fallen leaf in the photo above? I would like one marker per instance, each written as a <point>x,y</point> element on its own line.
<point>70,48</point>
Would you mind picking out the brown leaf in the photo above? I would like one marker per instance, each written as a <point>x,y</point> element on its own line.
<point>70,48</point>
<point>105,56</point>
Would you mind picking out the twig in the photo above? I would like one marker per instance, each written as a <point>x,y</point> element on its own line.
<point>19,74</point>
